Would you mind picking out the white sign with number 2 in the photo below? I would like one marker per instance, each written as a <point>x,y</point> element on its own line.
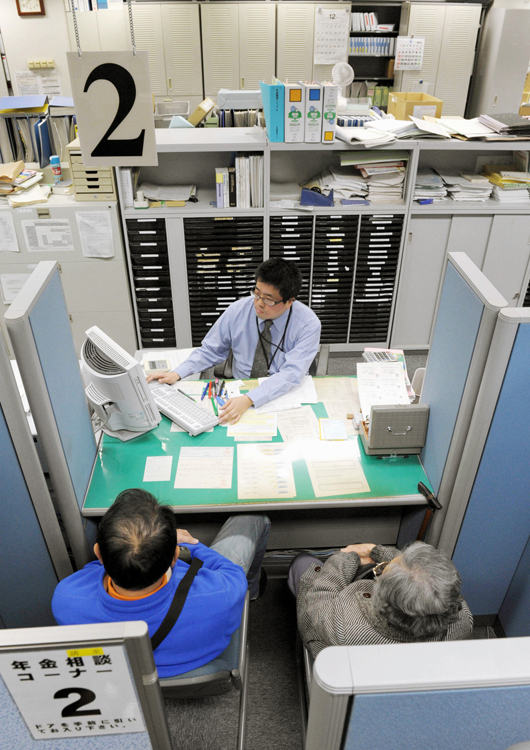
<point>73,693</point>
<point>114,108</point>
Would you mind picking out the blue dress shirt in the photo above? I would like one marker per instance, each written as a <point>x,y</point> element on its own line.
<point>236,329</point>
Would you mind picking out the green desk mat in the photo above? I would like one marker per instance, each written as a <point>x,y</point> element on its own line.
<point>120,466</point>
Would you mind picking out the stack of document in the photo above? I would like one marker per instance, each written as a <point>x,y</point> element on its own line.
<point>510,196</point>
<point>465,129</point>
<point>429,186</point>
<point>367,136</point>
<point>386,188</point>
<point>462,189</point>
<point>507,124</point>
<point>345,183</point>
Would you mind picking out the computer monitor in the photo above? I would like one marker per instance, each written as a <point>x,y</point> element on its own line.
<point>115,385</point>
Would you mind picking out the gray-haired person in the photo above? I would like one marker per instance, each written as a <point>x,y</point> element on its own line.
<point>410,596</point>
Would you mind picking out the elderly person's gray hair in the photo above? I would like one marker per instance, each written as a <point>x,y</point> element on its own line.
<point>419,592</point>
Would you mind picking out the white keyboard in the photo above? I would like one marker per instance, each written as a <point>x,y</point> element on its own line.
<point>181,409</point>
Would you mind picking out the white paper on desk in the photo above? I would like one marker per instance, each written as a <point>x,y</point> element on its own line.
<point>340,410</point>
<point>8,237</point>
<point>336,389</point>
<point>298,425</point>
<point>289,400</point>
<point>205,468</point>
<point>335,468</point>
<point>254,425</point>
<point>333,429</point>
<point>264,471</point>
<point>430,127</point>
<point>95,231</point>
<point>158,468</point>
<point>381,384</point>
<point>167,192</point>
<point>232,389</point>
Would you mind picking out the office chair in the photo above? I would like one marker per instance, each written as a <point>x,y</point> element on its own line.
<point>228,671</point>
<point>223,371</point>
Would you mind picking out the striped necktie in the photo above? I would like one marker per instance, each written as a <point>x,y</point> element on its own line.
<point>260,366</point>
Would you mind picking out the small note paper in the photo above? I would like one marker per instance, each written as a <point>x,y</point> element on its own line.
<point>158,468</point>
<point>333,429</point>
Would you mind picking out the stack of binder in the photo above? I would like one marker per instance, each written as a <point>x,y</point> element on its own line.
<point>24,129</point>
<point>509,124</point>
<point>222,254</point>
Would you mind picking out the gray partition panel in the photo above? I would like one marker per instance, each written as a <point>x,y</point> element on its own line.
<point>495,473</point>
<point>39,329</point>
<point>464,326</point>
<point>425,696</point>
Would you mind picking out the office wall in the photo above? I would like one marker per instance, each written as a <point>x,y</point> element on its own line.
<point>36,37</point>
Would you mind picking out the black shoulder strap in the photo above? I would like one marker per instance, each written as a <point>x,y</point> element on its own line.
<point>177,604</point>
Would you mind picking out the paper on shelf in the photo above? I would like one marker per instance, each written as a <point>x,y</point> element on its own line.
<point>335,469</point>
<point>204,468</point>
<point>11,284</point>
<point>264,471</point>
<point>381,384</point>
<point>167,192</point>
<point>158,469</point>
<point>298,425</point>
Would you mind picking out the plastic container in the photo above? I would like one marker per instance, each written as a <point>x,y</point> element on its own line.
<point>55,164</point>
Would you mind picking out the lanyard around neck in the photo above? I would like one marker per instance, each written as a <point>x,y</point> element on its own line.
<point>278,346</point>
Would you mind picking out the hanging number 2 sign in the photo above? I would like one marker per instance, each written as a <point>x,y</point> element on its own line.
<point>114,108</point>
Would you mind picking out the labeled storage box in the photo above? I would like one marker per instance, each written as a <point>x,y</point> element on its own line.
<point>90,184</point>
<point>414,103</point>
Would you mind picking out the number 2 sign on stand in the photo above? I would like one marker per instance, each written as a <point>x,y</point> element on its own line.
<point>114,108</point>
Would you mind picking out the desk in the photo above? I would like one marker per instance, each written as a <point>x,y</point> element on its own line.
<point>393,485</point>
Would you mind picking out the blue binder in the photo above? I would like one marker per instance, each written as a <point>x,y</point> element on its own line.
<point>273,96</point>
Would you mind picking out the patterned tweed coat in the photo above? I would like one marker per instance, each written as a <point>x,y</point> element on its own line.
<point>334,611</point>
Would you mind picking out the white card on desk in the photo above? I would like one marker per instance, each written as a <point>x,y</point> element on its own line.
<point>158,468</point>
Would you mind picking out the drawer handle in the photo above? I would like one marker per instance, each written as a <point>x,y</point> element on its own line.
<point>389,429</point>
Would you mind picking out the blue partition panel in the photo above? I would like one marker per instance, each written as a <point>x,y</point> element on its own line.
<point>459,316</point>
<point>487,719</point>
<point>497,521</point>
<point>28,577</point>
<point>53,339</point>
<point>515,611</point>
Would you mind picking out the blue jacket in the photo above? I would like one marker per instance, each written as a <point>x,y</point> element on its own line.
<point>211,614</point>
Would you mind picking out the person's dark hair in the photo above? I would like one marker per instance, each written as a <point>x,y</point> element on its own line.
<point>419,592</point>
<point>137,539</point>
<point>282,274</point>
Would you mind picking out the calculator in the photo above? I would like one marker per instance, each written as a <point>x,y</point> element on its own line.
<point>384,356</point>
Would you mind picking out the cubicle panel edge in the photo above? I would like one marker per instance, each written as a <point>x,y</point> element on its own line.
<point>40,333</point>
<point>30,466</point>
<point>465,319</point>
<point>495,528</point>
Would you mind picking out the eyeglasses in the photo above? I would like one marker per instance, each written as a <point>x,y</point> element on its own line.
<point>379,568</point>
<point>269,302</point>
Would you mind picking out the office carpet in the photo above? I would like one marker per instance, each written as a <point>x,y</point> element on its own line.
<point>273,717</point>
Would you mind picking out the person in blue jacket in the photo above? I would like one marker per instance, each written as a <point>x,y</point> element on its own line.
<point>138,570</point>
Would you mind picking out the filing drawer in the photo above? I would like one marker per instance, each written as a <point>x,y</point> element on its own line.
<point>90,183</point>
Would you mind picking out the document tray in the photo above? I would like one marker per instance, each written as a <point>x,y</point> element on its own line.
<point>395,430</point>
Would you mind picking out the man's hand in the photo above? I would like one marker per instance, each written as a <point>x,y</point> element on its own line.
<point>164,377</point>
<point>363,550</point>
<point>234,409</point>
<point>184,537</point>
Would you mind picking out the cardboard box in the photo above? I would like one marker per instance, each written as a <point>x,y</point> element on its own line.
<point>401,105</point>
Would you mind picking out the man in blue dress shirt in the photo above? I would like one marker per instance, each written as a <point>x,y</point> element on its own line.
<point>269,333</point>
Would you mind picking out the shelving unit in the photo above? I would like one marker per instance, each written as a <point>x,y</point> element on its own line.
<point>365,289</point>
<point>374,67</point>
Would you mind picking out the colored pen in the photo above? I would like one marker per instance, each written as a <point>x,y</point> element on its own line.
<point>210,389</point>
<point>205,391</point>
<point>220,401</point>
<point>222,386</point>
<point>187,395</point>
<point>216,387</point>
<point>215,408</point>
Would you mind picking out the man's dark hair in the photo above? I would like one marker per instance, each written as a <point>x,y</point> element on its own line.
<point>282,274</point>
<point>137,539</point>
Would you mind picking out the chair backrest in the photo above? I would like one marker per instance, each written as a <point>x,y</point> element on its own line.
<point>472,694</point>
